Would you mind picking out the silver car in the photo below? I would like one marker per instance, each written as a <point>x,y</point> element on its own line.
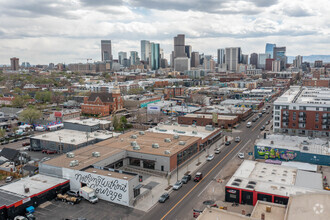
<point>177,185</point>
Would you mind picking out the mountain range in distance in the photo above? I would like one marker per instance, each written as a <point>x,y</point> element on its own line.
<point>312,58</point>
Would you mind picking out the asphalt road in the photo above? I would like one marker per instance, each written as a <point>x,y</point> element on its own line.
<point>181,202</point>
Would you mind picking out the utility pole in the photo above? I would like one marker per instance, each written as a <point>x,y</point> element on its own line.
<point>60,139</point>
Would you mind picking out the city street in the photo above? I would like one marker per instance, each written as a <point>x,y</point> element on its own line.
<point>181,202</point>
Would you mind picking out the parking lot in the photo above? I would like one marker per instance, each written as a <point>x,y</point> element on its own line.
<point>101,210</point>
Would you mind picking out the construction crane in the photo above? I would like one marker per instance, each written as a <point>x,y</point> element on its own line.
<point>87,59</point>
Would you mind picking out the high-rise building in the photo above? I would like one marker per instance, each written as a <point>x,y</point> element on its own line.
<point>270,49</point>
<point>194,59</point>
<point>221,56</point>
<point>106,52</point>
<point>254,59</point>
<point>245,59</point>
<point>155,56</point>
<point>318,63</point>
<point>121,56</point>
<point>262,60</point>
<point>276,66</point>
<point>233,58</point>
<point>14,62</point>
<point>188,49</point>
<point>133,57</point>
<point>209,63</point>
<point>145,50</point>
<point>297,62</point>
<point>181,64</point>
<point>269,64</point>
<point>179,46</point>
<point>279,54</point>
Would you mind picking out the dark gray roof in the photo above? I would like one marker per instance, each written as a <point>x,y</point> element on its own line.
<point>10,154</point>
<point>29,167</point>
<point>8,198</point>
<point>105,97</point>
<point>11,111</point>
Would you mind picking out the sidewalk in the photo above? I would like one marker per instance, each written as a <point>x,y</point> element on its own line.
<point>159,185</point>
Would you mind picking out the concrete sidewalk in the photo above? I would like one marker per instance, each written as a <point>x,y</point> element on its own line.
<point>149,198</point>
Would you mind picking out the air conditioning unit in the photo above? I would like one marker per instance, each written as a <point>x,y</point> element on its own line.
<point>194,132</point>
<point>70,154</point>
<point>182,142</point>
<point>73,140</point>
<point>74,163</point>
<point>155,145</point>
<point>133,136</point>
<point>167,152</point>
<point>141,132</point>
<point>134,143</point>
<point>136,147</point>
<point>96,154</point>
<point>167,140</point>
<point>176,136</point>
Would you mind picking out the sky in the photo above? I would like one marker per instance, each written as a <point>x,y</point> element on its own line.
<point>70,31</point>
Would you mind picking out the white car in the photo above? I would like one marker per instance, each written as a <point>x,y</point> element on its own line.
<point>210,157</point>
<point>240,155</point>
<point>177,185</point>
<point>217,151</point>
<point>237,139</point>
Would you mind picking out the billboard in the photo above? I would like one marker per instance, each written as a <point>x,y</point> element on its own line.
<point>153,109</point>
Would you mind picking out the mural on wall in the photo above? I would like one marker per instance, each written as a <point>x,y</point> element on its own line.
<point>275,153</point>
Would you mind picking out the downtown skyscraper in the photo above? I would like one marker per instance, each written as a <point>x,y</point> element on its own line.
<point>106,52</point>
<point>145,50</point>
<point>270,49</point>
<point>233,58</point>
<point>179,46</point>
<point>154,56</point>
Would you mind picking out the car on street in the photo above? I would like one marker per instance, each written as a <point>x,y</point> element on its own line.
<point>228,143</point>
<point>240,155</point>
<point>164,197</point>
<point>217,150</point>
<point>260,115</point>
<point>237,139</point>
<point>73,193</point>
<point>186,178</point>
<point>198,177</point>
<point>9,179</point>
<point>177,185</point>
<point>267,122</point>
<point>262,128</point>
<point>254,119</point>
<point>249,124</point>
<point>26,144</point>
<point>51,152</point>
<point>210,157</point>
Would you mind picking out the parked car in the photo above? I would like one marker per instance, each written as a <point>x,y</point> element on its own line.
<point>26,144</point>
<point>267,122</point>
<point>51,152</point>
<point>217,151</point>
<point>164,197</point>
<point>198,177</point>
<point>249,124</point>
<point>240,155</point>
<point>44,151</point>
<point>210,157</point>
<point>9,179</point>
<point>73,193</point>
<point>228,143</point>
<point>260,115</point>
<point>186,178</point>
<point>237,139</point>
<point>177,185</point>
<point>262,128</point>
<point>254,119</point>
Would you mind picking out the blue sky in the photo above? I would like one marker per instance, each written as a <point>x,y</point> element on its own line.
<point>67,31</point>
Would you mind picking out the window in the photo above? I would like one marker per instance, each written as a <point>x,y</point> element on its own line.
<point>294,125</point>
<point>277,113</point>
<point>277,107</point>
<point>232,196</point>
<point>294,107</point>
<point>277,118</point>
<point>316,126</point>
<point>277,124</point>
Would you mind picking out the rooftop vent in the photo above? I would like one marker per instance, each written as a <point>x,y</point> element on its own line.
<point>238,180</point>
<point>250,186</point>
<point>235,184</point>
<point>73,140</point>
<point>136,147</point>
<point>194,132</point>
<point>271,142</point>
<point>167,140</point>
<point>74,163</point>
<point>125,177</point>
<point>96,154</point>
<point>133,136</point>
<point>167,152</point>
<point>305,148</point>
<point>141,133</point>
<point>252,182</point>
<point>134,143</point>
<point>176,136</point>
<point>70,155</point>
<point>209,128</point>
<point>155,145</point>
<point>182,143</point>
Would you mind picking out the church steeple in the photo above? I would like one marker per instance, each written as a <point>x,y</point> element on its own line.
<point>116,89</point>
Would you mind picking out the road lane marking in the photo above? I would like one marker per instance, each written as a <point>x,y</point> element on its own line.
<point>204,189</point>
<point>259,123</point>
<point>199,182</point>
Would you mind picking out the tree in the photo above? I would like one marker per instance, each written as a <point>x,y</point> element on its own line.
<point>18,102</point>
<point>43,96</point>
<point>2,132</point>
<point>30,115</point>
<point>115,123</point>
<point>57,98</point>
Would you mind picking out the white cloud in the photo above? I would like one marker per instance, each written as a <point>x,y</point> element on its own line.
<point>64,30</point>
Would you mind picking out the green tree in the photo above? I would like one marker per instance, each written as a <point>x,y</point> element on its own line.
<point>19,102</point>
<point>116,123</point>
<point>30,115</point>
<point>17,91</point>
<point>2,132</point>
<point>57,98</point>
<point>43,96</point>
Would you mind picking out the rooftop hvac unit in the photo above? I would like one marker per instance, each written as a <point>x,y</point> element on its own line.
<point>74,163</point>
<point>73,140</point>
<point>133,143</point>
<point>176,136</point>
<point>44,135</point>
<point>70,155</point>
<point>141,132</point>
<point>182,142</point>
<point>167,152</point>
<point>167,140</point>
<point>155,145</point>
<point>271,142</point>
<point>96,154</point>
<point>209,128</point>
<point>194,132</point>
<point>136,147</point>
<point>133,136</point>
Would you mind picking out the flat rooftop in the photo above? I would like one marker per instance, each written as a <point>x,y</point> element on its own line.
<point>296,143</point>
<point>36,184</point>
<point>217,214</point>
<point>88,122</point>
<point>275,179</point>
<point>117,175</point>
<point>305,96</point>
<point>8,198</point>
<point>188,130</point>
<point>73,137</point>
<point>210,116</point>
<point>277,211</point>
<point>179,108</point>
<point>225,109</point>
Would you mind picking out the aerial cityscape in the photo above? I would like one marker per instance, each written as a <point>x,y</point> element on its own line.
<point>168,110</point>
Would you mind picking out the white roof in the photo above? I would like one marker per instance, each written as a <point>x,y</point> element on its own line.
<point>300,165</point>
<point>88,122</point>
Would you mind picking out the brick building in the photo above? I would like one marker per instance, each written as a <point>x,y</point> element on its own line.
<point>172,92</point>
<point>303,111</point>
<point>225,121</point>
<point>325,82</point>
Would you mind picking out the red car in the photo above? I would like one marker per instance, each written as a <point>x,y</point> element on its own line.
<point>26,144</point>
<point>198,177</point>
<point>51,152</point>
<point>44,151</point>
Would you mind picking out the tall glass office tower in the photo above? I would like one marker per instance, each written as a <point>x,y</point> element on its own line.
<point>270,49</point>
<point>155,56</point>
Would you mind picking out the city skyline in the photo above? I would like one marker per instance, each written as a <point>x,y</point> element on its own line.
<point>70,31</point>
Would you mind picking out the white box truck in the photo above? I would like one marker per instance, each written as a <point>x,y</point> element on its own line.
<point>88,194</point>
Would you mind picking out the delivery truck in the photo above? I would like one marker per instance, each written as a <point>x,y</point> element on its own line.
<point>88,194</point>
